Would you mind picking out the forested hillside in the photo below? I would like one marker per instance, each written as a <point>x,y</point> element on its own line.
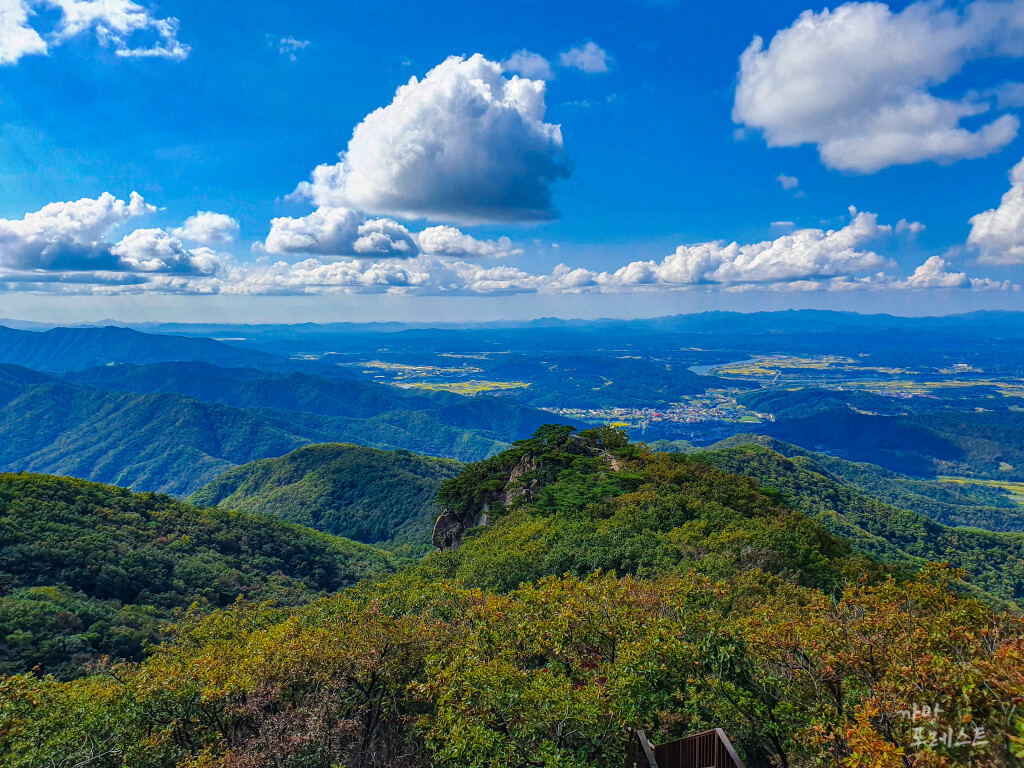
<point>609,588</point>
<point>561,503</point>
<point>993,562</point>
<point>88,570</point>
<point>920,440</point>
<point>176,444</point>
<point>377,497</point>
<point>949,503</point>
<point>304,392</point>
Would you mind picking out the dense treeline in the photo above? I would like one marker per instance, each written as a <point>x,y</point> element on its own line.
<point>950,503</point>
<point>614,588</point>
<point>569,512</point>
<point>994,562</point>
<point>413,672</point>
<point>377,497</point>
<point>962,503</point>
<point>88,570</point>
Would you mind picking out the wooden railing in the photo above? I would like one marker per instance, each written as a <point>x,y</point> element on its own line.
<point>709,749</point>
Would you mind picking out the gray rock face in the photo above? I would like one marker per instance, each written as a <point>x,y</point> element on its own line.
<point>521,487</point>
<point>450,526</point>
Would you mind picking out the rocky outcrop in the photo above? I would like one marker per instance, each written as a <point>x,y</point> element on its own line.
<point>450,526</point>
<point>522,486</point>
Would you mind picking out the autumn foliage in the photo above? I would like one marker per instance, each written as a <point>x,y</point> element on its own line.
<point>740,614</point>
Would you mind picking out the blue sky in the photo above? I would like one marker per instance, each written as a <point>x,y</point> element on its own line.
<point>656,141</point>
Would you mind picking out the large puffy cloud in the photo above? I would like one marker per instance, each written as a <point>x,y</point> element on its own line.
<point>153,250</point>
<point>449,241</point>
<point>857,82</point>
<point>129,28</point>
<point>344,232</point>
<point>208,227</point>
<point>998,233</point>
<point>68,243</point>
<point>936,273</point>
<point>339,232</point>
<point>464,144</point>
<point>67,235</point>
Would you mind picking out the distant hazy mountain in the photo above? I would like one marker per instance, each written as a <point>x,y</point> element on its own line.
<point>369,495</point>
<point>72,349</point>
<point>793,321</point>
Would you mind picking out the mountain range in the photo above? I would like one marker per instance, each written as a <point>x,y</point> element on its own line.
<point>173,427</point>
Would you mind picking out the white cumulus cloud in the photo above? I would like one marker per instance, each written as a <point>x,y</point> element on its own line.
<point>857,82</point>
<point>998,233</point>
<point>449,241</point>
<point>316,276</point>
<point>68,235</point>
<point>384,237</point>
<point>208,227</point>
<point>803,254</point>
<point>463,144</point>
<point>589,58</point>
<point>339,232</point>
<point>936,273</point>
<point>154,250</point>
<point>528,64</point>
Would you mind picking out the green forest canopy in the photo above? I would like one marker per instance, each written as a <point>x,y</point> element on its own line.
<point>616,588</point>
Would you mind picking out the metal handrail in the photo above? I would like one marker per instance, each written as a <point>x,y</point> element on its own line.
<point>707,749</point>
